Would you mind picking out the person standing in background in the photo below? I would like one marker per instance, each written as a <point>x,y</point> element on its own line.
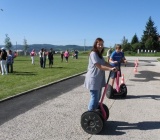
<point>10,62</point>
<point>108,54</point>
<point>124,57</point>
<point>41,58</point>
<point>75,54</point>
<point>44,55</point>
<point>62,54</point>
<point>32,54</point>
<point>50,58</point>
<point>66,55</point>
<point>3,61</point>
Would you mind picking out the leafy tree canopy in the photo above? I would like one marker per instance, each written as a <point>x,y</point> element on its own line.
<point>150,31</point>
<point>25,47</point>
<point>134,39</point>
<point>8,44</point>
<point>125,45</point>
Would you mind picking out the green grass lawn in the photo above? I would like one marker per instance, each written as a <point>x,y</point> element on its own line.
<point>27,76</point>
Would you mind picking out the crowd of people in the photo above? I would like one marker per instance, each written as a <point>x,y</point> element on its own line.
<point>66,54</point>
<point>7,58</point>
<point>44,55</point>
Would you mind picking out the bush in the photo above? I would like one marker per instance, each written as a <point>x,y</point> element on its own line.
<point>129,53</point>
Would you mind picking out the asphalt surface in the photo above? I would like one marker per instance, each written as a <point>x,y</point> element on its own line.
<point>54,112</point>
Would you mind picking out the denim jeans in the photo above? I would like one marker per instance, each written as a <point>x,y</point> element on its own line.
<point>10,68</point>
<point>44,62</point>
<point>94,100</point>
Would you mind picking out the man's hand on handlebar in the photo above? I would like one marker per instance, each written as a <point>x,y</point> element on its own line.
<point>125,61</point>
<point>115,62</point>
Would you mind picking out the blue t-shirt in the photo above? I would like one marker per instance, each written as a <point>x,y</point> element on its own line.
<point>116,56</point>
<point>9,59</point>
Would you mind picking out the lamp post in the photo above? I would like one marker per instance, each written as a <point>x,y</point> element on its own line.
<point>84,45</point>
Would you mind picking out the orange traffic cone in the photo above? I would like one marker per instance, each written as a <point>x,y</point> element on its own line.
<point>137,61</point>
<point>136,64</point>
<point>122,79</point>
<point>135,69</point>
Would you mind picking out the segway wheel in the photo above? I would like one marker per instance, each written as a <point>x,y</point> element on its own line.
<point>106,110</point>
<point>109,92</point>
<point>91,122</point>
<point>123,90</point>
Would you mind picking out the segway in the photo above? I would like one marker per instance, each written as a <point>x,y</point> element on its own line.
<point>120,90</point>
<point>92,122</point>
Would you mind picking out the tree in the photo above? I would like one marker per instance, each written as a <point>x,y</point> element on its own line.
<point>136,46</point>
<point>8,44</point>
<point>135,43</point>
<point>124,41</point>
<point>25,47</point>
<point>125,45</point>
<point>134,39</point>
<point>149,44</point>
<point>150,35</point>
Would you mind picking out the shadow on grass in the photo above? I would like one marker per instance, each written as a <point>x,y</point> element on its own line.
<point>57,67</point>
<point>23,60</point>
<point>16,106</point>
<point>118,128</point>
<point>23,73</point>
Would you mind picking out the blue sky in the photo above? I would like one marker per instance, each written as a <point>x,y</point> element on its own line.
<point>63,22</point>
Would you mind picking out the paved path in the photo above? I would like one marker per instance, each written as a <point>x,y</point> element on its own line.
<point>53,113</point>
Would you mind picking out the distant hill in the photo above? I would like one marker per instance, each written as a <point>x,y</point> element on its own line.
<point>37,47</point>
